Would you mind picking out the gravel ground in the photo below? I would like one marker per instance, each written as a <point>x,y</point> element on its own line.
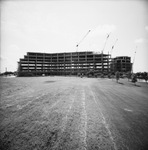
<point>72,113</point>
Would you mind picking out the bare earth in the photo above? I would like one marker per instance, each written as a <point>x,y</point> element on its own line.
<point>72,113</point>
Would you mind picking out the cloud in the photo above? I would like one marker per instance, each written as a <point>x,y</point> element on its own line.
<point>103,30</point>
<point>141,40</point>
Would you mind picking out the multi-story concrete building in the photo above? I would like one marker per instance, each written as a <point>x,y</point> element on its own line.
<point>70,63</point>
<point>121,64</point>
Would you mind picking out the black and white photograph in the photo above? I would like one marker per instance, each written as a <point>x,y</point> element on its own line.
<point>73,75</point>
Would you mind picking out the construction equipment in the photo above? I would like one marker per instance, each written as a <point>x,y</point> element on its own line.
<point>82,40</point>
<point>113,47</point>
<point>112,61</point>
<point>134,58</point>
<point>105,42</point>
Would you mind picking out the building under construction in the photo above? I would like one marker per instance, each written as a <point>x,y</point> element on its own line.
<point>122,64</point>
<point>72,63</point>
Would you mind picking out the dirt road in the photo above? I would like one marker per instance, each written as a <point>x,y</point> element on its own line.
<point>71,113</point>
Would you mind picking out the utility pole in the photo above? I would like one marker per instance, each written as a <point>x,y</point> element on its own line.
<point>82,40</point>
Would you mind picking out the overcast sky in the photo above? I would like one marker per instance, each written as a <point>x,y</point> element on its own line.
<point>57,26</point>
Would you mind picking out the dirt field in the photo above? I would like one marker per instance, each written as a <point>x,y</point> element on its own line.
<point>72,113</point>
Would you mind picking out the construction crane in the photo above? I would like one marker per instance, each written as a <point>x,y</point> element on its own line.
<point>105,42</point>
<point>113,47</point>
<point>134,58</point>
<point>82,40</point>
<point>112,62</point>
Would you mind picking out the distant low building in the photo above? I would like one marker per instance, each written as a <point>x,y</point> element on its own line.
<point>72,63</point>
<point>121,64</point>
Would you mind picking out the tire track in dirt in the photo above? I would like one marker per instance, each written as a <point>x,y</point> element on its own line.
<point>65,109</point>
<point>29,95</point>
<point>125,113</point>
<point>73,131</point>
<point>62,100</point>
<point>104,120</point>
<point>64,123</point>
<point>67,114</point>
<point>44,96</point>
<point>53,121</point>
<point>83,123</point>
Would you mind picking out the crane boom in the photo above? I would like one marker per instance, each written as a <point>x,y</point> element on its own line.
<point>134,55</point>
<point>106,41</point>
<point>113,46</point>
<point>82,39</point>
<point>134,58</point>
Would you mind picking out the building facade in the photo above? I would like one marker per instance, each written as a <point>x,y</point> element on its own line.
<point>72,63</point>
<point>121,64</point>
